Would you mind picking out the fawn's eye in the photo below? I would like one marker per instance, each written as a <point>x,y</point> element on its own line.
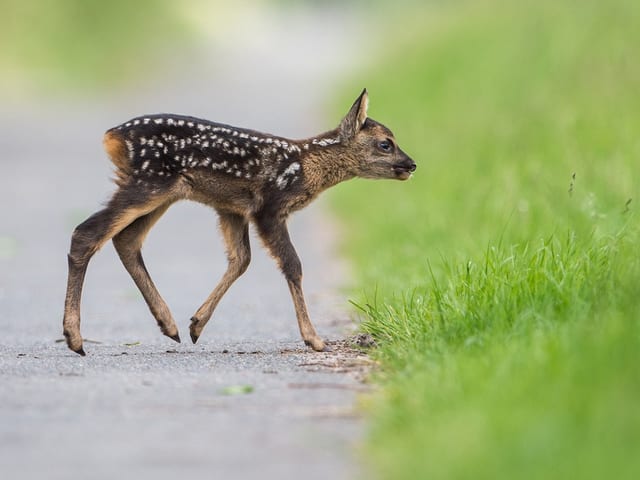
<point>385,146</point>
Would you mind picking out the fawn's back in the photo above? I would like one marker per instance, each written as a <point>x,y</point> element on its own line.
<point>227,167</point>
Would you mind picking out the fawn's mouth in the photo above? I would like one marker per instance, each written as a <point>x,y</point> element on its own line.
<point>403,172</point>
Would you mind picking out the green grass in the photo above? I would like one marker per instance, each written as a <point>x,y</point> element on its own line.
<point>524,366</point>
<point>502,289</point>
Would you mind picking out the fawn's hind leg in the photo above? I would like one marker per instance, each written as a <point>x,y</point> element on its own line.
<point>235,231</point>
<point>87,239</point>
<point>275,236</point>
<point>128,244</point>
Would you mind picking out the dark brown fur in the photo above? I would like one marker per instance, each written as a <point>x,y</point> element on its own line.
<point>244,175</point>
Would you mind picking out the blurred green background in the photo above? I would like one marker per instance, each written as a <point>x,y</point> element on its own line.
<point>76,44</point>
<point>501,282</point>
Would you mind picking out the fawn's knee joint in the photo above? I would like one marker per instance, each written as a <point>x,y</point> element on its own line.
<point>240,261</point>
<point>292,269</point>
<point>82,245</point>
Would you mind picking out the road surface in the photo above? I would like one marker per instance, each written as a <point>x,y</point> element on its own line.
<point>248,400</point>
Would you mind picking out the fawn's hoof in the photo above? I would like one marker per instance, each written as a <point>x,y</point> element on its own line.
<point>194,331</point>
<point>175,338</point>
<point>317,344</point>
<point>74,342</point>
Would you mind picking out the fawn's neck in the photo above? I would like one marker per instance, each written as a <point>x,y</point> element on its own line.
<point>326,162</point>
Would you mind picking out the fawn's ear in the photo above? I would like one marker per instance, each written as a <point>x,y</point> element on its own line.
<point>355,118</point>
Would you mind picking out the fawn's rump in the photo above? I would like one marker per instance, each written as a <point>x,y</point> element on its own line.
<point>116,147</point>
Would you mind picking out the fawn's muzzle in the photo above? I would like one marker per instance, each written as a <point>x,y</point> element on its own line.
<point>404,169</point>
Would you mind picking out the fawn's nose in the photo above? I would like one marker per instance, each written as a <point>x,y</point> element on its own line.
<point>409,165</point>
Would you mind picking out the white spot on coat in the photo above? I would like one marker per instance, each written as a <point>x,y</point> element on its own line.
<point>129,144</point>
<point>324,142</point>
<point>291,169</point>
<point>288,176</point>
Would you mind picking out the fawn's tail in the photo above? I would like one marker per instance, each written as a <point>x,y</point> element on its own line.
<point>116,147</point>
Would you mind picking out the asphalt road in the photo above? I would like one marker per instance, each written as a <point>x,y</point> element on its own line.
<point>248,400</point>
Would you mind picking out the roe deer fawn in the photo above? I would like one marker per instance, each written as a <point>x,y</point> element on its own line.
<point>246,176</point>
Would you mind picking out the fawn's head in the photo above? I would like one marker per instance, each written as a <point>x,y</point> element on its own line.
<point>372,145</point>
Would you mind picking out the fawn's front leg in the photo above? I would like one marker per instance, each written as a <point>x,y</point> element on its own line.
<point>235,231</point>
<point>275,236</point>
